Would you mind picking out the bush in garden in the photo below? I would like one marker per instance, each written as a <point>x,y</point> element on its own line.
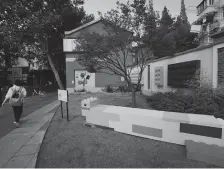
<point>205,100</point>
<point>109,89</point>
<point>122,89</point>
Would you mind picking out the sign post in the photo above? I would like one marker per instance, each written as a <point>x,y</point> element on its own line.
<point>63,97</point>
<point>67,106</point>
<point>61,109</point>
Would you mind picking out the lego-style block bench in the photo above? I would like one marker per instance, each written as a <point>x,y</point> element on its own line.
<point>178,128</point>
<point>159,125</point>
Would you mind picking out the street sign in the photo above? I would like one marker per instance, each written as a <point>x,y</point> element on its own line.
<point>63,95</point>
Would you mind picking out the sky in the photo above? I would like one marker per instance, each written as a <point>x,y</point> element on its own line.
<point>92,6</point>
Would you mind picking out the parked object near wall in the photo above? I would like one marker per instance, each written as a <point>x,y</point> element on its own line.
<point>158,125</point>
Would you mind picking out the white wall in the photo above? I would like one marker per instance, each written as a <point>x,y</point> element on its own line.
<point>205,56</point>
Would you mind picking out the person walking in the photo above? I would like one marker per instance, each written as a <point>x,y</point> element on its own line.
<point>16,95</point>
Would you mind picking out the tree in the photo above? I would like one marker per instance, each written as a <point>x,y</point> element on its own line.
<point>183,14</point>
<point>185,40</point>
<point>164,42</point>
<point>41,25</point>
<point>110,52</point>
<point>151,21</point>
<point>166,19</point>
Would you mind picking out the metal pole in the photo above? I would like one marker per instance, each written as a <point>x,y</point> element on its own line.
<point>67,107</point>
<point>61,110</point>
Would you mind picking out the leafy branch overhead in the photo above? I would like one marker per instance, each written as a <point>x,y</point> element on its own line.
<point>38,25</point>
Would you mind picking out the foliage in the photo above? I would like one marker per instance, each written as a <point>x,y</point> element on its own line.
<point>109,89</point>
<point>110,52</point>
<point>205,101</point>
<point>173,35</point>
<point>198,99</point>
<point>122,89</point>
<point>40,25</point>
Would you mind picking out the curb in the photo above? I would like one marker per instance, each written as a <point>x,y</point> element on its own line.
<point>34,159</point>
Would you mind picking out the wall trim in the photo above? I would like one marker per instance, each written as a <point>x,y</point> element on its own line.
<point>188,51</point>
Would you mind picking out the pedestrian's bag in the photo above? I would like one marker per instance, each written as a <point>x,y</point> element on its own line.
<point>16,99</point>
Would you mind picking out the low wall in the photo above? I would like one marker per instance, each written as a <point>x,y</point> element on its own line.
<point>158,125</point>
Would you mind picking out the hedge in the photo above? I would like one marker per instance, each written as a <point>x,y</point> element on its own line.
<point>203,101</point>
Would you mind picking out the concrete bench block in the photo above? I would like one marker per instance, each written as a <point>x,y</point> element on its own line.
<point>149,122</point>
<point>207,153</point>
<point>127,111</point>
<point>89,103</point>
<point>101,118</point>
<point>204,120</point>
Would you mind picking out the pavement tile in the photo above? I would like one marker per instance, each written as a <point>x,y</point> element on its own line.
<point>19,162</point>
<point>20,147</point>
<point>6,141</point>
<point>10,138</point>
<point>32,163</point>
<point>28,149</point>
<point>35,127</point>
<point>37,138</point>
<point>12,148</point>
<point>23,130</point>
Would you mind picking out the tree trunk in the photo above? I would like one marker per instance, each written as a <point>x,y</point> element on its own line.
<point>133,91</point>
<point>56,75</point>
<point>133,97</point>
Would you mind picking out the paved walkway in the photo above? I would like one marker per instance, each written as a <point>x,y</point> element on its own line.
<point>20,147</point>
<point>31,104</point>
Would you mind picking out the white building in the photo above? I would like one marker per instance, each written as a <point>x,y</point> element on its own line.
<point>210,19</point>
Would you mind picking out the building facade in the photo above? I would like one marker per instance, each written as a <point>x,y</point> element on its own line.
<point>97,80</point>
<point>171,73</point>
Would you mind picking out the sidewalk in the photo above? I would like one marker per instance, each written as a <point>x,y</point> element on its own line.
<point>19,148</point>
<point>31,105</point>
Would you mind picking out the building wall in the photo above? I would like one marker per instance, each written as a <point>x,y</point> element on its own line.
<point>71,66</point>
<point>207,69</point>
<point>101,79</point>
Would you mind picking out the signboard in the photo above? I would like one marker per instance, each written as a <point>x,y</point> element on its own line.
<point>63,95</point>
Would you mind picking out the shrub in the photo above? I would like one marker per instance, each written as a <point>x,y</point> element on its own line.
<point>204,101</point>
<point>122,89</point>
<point>109,89</point>
<point>80,90</point>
